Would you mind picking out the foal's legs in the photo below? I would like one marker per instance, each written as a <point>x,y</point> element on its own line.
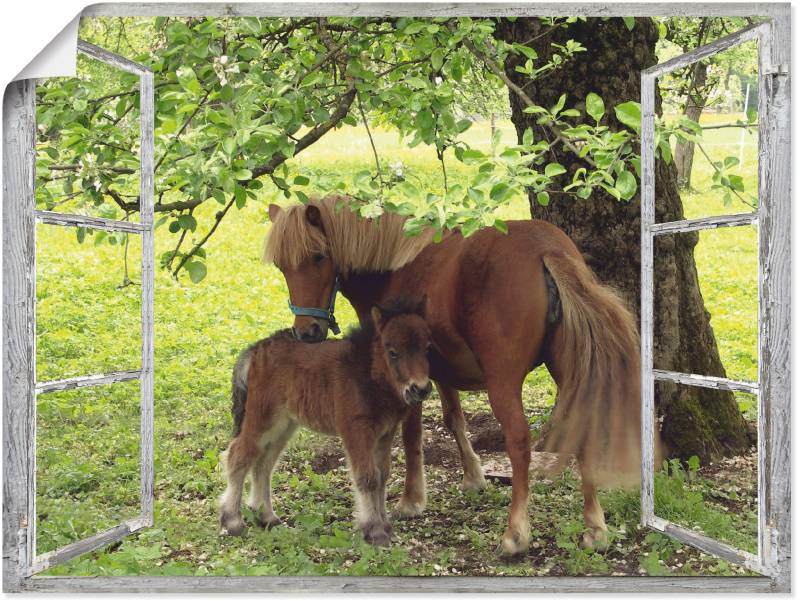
<point>261,485</point>
<point>505,398</point>
<point>412,503</point>
<point>361,445</point>
<point>454,421</point>
<point>241,454</point>
<point>383,458</point>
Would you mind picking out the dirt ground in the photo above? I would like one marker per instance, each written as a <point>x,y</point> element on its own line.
<point>736,478</point>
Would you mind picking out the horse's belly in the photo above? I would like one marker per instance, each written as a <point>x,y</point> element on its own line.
<point>459,369</point>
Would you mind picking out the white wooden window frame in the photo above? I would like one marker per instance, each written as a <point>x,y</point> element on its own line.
<point>29,561</point>
<point>772,388</point>
<point>774,383</point>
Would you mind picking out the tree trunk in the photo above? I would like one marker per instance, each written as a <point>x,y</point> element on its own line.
<point>695,102</point>
<point>696,421</point>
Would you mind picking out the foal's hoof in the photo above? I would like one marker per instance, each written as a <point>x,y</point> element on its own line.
<point>232,525</point>
<point>407,508</point>
<point>379,535</point>
<point>269,522</point>
<point>473,482</point>
<point>595,538</point>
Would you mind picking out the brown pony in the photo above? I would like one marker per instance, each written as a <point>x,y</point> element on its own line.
<point>498,306</point>
<point>359,388</point>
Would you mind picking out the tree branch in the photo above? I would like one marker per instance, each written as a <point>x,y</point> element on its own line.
<point>494,68</point>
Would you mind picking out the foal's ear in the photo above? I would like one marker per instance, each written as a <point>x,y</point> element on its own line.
<point>422,306</point>
<point>377,317</point>
<point>314,217</point>
<point>274,211</point>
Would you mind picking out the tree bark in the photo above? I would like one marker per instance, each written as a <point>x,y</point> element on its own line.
<point>695,421</point>
<point>695,102</point>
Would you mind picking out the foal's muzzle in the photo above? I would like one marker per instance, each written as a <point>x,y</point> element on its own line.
<point>313,333</point>
<point>414,394</point>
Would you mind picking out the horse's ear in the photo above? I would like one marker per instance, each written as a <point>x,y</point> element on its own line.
<point>314,217</point>
<point>422,306</point>
<point>377,317</point>
<point>274,211</point>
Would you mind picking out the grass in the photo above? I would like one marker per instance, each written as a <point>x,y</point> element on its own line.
<point>87,455</point>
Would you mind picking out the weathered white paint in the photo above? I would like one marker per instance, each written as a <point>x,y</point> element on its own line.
<point>419,9</point>
<point>705,381</point>
<point>19,334</point>
<point>95,223</point>
<point>774,164</point>
<point>703,223</point>
<point>648,212</point>
<point>407,584</point>
<point>83,381</point>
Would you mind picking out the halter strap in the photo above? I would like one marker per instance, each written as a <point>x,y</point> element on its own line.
<point>326,314</point>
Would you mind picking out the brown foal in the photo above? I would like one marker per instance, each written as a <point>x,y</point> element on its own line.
<point>498,306</point>
<point>359,388</point>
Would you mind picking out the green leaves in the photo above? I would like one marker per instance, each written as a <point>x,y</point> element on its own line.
<point>554,169</point>
<point>197,271</point>
<point>626,185</point>
<point>630,22</point>
<point>630,114</point>
<point>595,107</point>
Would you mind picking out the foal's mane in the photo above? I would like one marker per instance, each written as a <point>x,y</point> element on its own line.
<point>354,243</point>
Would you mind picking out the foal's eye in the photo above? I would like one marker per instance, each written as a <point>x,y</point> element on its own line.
<point>317,258</point>
<point>393,354</point>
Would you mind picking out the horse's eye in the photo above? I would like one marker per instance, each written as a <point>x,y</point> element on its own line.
<point>317,258</point>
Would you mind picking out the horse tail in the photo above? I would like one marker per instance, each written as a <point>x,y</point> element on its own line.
<point>598,414</point>
<point>239,389</point>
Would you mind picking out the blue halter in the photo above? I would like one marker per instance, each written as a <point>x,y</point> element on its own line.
<point>326,314</point>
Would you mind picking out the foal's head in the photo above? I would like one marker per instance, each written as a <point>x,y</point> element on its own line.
<point>404,339</point>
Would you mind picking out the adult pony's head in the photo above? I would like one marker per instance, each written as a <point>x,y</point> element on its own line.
<point>315,243</point>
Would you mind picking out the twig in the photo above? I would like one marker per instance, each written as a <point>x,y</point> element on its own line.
<point>200,244</point>
<point>371,141</point>
<point>718,170</point>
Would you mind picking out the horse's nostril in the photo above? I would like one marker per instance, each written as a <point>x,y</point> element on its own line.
<point>314,330</point>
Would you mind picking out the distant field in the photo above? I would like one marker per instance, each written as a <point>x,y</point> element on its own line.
<point>87,440</point>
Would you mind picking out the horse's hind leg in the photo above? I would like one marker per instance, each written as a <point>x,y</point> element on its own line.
<point>505,398</point>
<point>596,535</point>
<point>455,422</point>
<point>238,458</point>
<point>412,503</point>
<point>260,501</point>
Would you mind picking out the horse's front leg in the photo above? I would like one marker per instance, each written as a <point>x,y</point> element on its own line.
<point>457,425</point>
<point>369,485</point>
<point>412,503</point>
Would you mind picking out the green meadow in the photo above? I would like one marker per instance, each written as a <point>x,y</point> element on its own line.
<point>88,439</point>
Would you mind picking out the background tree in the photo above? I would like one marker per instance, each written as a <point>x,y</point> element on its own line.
<point>700,85</point>
<point>696,421</point>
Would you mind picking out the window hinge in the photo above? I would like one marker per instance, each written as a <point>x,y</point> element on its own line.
<point>778,70</point>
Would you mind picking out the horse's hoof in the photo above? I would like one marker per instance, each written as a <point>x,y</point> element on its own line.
<point>232,526</point>
<point>512,543</point>
<point>596,539</point>
<point>407,508</point>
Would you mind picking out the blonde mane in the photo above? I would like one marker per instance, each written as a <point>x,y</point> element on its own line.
<point>354,243</point>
